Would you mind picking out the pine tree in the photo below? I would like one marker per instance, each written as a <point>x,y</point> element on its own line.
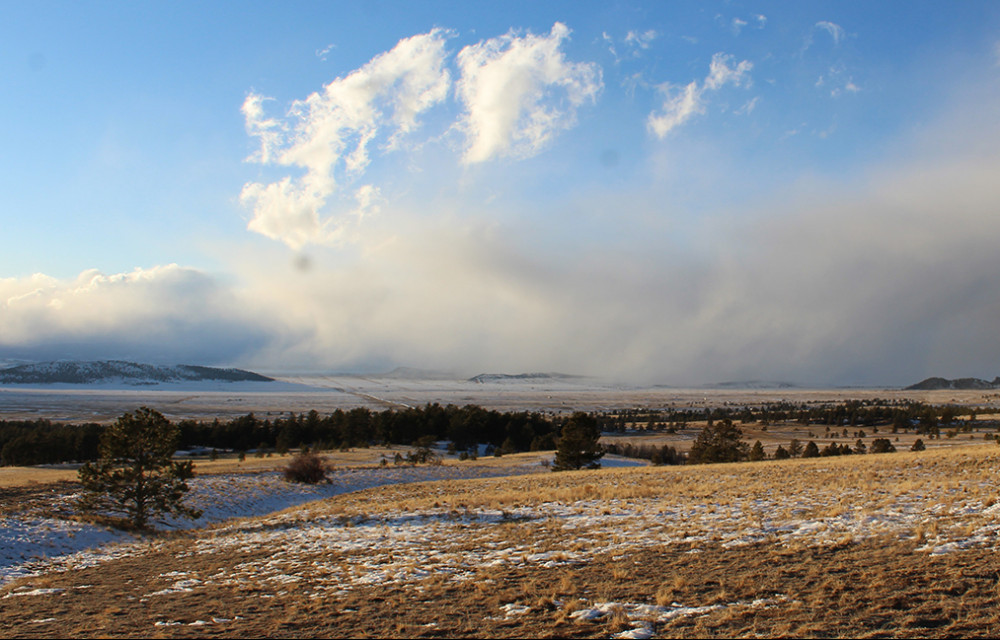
<point>134,476</point>
<point>578,444</point>
<point>722,442</point>
<point>757,452</point>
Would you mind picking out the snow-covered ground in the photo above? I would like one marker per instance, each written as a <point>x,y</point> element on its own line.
<point>29,545</point>
<point>326,549</point>
<point>945,504</point>
<point>396,545</point>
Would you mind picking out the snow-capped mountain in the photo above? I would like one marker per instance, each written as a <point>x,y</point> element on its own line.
<point>120,371</point>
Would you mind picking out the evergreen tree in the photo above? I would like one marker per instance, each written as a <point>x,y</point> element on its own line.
<point>134,476</point>
<point>757,452</point>
<point>720,442</point>
<point>795,448</point>
<point>578,444</point>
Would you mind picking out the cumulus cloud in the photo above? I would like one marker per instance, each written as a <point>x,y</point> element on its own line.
<point>680,104</point>
<point>328,137</point>
<point>164,314</point>
<point>519,91</point>
<point>516,92</point>
<point>871,280</point>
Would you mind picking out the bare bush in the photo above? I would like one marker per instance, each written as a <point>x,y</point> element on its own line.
<point>307,467</point>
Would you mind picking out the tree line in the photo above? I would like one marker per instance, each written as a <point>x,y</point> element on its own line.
<point>31,442</point>
<point>893,415</point>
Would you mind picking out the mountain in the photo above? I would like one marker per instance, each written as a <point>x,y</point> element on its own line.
<point>120,371</point>
<point>508,377</point>
<point>752,384</point>
<point>931,384</point>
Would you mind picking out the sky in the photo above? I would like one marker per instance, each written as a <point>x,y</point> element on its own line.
<point>659,192</point>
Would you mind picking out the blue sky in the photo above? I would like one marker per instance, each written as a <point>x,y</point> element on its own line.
<point>666,192</point>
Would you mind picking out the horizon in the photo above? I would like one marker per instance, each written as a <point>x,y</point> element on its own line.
<point>421,374</point>
<point>650,192</point>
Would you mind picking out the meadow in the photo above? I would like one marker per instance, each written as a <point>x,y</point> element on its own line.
<point>888,545</point>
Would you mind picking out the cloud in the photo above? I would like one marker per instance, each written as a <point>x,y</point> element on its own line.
<point>835,30</point>
<point>322,53</point>
<point>518,92</point>
<point>610,43</point>
<point>883,276</point>
<point>757,21</point>
<point>839,80</point>
<point>329,137</point>
<point>681,104</point>
<point>166,314</point>
<point>641,40</point>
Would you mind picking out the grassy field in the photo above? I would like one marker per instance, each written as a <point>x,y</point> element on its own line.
<point>773,435</point>
<point>890,545</point>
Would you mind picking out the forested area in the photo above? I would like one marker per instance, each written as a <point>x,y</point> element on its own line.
<point>893,415</point>
<point>28,442</point>
<point>42,442</point>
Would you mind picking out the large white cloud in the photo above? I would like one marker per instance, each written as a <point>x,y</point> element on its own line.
<point>519,91</point>
<point>516,92</point>
<point>328,137</point>
<point>163,314</point>
<point>680,104</point>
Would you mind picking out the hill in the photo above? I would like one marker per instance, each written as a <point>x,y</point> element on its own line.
<point>521,377</point>
<point>122,372</point>
<point>931,384</point>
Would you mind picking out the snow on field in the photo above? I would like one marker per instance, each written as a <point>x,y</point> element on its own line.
<point>324,552</point>
<point>643,616</point>
<point>336,554</point>
<point>31,545</point>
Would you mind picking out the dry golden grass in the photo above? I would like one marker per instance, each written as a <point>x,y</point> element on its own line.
<point>879,479</point>
<point>27,476</point>
<point>229,463</point>
<point>442,559</point>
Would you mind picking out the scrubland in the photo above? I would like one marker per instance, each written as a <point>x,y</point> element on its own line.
<point>890,545</point>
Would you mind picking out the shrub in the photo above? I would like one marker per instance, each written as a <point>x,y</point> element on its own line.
<point>882,445</point>
<point>307,467</point>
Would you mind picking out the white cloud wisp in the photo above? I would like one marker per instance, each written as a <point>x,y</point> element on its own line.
<point>680,104</point>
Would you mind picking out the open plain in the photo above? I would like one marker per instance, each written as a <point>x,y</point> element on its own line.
<point>68,403</point>
<point>878,545</point>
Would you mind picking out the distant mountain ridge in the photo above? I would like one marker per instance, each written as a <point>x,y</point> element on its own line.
<point>121,371</point>
<point>931,384</point>
<point>752,384</point>
<point>507,377</point>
